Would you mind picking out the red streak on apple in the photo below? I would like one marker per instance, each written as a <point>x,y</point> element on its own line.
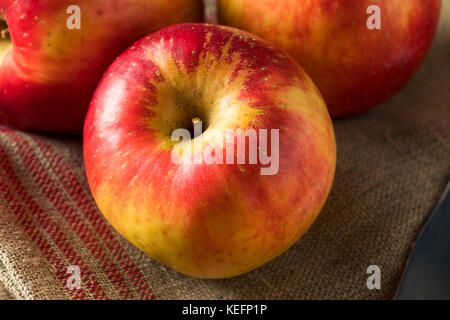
<point>207,220</point>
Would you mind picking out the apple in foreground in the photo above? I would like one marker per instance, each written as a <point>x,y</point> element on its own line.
<point>49,68</point>
<point>208,219</point>
<point>355,67</point>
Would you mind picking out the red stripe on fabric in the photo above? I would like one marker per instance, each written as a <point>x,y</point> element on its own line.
<point>47,223</point>
<point>83,200</point>
<point>24,208</point>
<point>50,190</point>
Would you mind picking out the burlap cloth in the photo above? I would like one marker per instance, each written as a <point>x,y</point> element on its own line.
<point>393,164</point>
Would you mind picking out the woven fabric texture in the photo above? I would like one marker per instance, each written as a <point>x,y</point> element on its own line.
<point>393,165</point>
<point>4,294</point>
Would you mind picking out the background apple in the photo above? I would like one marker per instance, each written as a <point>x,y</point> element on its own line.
<point>354,67</point>
<point>48,72</point>
<point>207,220</point>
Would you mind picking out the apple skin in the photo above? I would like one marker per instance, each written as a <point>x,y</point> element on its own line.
<point>48,77</point>
<point>207,220</point>
<point>354,68</point>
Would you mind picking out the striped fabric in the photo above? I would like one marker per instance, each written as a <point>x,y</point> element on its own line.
<point>51,204</point>
<point>393,165</point>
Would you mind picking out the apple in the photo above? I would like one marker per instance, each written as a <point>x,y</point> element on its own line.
<point>49,68</point>
<point>220,218</point>
<point>354,64</point>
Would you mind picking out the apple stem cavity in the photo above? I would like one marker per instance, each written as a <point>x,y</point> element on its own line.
<point>4,31</point>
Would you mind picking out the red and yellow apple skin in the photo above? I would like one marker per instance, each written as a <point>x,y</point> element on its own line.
<point>207,220</point>
<point>354,68</point>
<point>49,73</point>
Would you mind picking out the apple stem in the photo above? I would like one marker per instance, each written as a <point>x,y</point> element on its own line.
<point>197,123</point>
<point>4,33</point>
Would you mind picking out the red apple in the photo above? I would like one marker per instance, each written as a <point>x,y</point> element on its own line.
<point>208,220</point>
<point>354,67</point>
<point>48,71</point>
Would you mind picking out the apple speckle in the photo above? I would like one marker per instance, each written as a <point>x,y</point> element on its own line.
<point>157,73</point>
